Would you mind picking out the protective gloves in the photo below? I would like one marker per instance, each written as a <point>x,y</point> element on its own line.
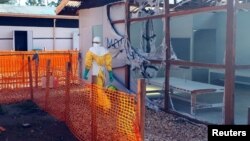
<point>85,75</point>
<point>111,78</point>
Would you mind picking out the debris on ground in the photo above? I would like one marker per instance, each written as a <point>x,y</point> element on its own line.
<point>162,126</point>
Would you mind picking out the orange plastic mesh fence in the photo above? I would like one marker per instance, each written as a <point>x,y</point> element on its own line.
<point>52,98</point>
<point>91,112</point>
<point>14,75</point>
<point>14,78</point>
<point>58,65</point>
<point>112,113</point>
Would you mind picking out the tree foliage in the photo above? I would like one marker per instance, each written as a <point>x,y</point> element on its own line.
<point>7,1</point>
<point>35,2</point>
<point>54,3</point>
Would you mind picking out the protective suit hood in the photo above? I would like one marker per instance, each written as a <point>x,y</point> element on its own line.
<point>98,50</point>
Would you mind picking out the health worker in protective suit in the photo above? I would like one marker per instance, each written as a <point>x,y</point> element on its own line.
<point>98,58</point>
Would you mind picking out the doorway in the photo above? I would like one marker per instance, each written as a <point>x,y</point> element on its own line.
<point>20,41</point>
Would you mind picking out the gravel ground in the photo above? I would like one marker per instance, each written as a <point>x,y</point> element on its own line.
<point>161,126</point>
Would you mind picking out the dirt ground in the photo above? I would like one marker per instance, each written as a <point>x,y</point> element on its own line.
<point>25,121</point>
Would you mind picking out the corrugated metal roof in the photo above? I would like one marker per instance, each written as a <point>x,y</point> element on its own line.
<point>43,10</point>
<point>74,4</point>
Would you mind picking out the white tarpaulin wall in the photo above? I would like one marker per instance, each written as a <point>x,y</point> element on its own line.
<point>113,37</point>
<point>111,40</point>
<point>97,17</point>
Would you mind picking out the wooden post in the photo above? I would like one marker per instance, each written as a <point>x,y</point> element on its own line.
<point>70,60</point>
<point>23,66</point>
<point>93,111</point>
<point>127,76</point>
<point>248,117</point>
<point>36,59</point>
<point>47,83</point>
<point>54,34</point>
<point>230,63</point>
<point>127,17</point>
<point>141,91</point>
<point>127,33</point>
<point>36,73</point>
<point>30,78</point>
<point>167,43</point>
<point>80,64</point>
<point>67,96</point>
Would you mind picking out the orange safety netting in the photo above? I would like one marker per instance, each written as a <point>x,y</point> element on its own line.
<point>14,74</point>
<point>91,112</point>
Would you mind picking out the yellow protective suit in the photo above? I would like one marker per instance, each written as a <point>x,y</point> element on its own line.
<point>98,58</point>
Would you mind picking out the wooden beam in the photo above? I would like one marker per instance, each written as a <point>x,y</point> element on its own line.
<point>118,3</point>
<point>146,18</point>
<point>60,7</point>
<point>196,64</point>
<point>118,21</point>
<point>230,63</point>
<point>173,14</point>
<point>242,67</point>
<point>155,91</point>
<point>139,19</point>
<point>198,10</point>
<point>168,55</point>
<point>38,16</point>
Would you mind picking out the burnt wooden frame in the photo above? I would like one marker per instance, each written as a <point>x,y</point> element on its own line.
<point>229,65</point>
